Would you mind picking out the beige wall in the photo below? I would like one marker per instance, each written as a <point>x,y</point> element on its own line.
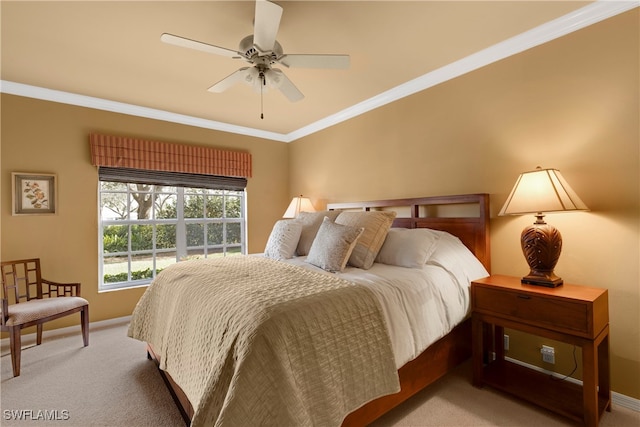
<point>571,104</point>
<point>40,136</point>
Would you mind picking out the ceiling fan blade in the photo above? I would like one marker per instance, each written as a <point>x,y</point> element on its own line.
<point>315,61</point>
<point>278,79</point>
<point>266,24</point>
<point>193,44</point>
<point>243,74</point>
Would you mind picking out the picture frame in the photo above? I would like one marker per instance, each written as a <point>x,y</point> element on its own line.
<point>34,193</point>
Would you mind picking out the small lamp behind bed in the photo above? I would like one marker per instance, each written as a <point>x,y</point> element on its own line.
<point>298,204</point>
<point>538,191</point>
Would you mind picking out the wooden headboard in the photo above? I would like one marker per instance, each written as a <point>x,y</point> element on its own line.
<point>472,227</point>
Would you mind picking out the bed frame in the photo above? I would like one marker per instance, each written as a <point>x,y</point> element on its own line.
<point>446,353</point>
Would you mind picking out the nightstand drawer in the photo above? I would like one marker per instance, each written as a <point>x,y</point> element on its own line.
<point>554,313</point>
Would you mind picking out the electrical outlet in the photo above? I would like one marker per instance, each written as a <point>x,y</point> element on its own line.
<point>506,342</point>
<point>548,354</point>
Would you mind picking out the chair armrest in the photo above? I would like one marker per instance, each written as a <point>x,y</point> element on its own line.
<point>62,289</point>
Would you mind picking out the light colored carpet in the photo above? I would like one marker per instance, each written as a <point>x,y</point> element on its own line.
<point>109,383</point>
<point>112,384</point>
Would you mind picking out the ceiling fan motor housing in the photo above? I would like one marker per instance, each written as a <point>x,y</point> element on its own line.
<point>252,54</point>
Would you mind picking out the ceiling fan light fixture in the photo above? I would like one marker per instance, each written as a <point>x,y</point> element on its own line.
<point>275,78</point>
<point>252,76</point>
<point>258,79</point>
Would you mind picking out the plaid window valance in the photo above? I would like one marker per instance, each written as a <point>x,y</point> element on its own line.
<point>134,153</point>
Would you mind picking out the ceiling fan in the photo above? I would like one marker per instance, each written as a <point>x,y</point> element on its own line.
<point>262,51</point>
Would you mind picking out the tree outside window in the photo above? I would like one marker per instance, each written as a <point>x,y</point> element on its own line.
<point>144,228</point>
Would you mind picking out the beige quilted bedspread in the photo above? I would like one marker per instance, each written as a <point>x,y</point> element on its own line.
<point>253,341</point>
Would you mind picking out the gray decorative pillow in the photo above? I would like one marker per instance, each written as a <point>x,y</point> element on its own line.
<point>408,247</point>
<point>333,245</point>
<point>311,222</point>
<point>283,239</point>
<point>376,225</point>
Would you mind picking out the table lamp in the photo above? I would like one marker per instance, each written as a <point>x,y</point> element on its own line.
<point>298,204</point>
<point>535,192</point>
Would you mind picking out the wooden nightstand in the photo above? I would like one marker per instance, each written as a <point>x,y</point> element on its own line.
<point>577,315</point>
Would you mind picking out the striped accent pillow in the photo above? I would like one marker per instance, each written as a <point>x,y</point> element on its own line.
<point>376,225</point>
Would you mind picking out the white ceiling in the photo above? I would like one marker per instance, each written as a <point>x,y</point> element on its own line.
<point>108,55</point>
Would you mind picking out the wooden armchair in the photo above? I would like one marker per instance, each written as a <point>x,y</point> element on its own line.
<point>28,300</point>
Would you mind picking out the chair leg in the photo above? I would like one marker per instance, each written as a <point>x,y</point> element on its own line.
<point>39,334</point>
<point>84,320</point>
<point>15,344</point>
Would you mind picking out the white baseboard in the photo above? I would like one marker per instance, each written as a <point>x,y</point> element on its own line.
<point>616,398</point>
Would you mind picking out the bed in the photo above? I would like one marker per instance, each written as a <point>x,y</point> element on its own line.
<point>275,379</point>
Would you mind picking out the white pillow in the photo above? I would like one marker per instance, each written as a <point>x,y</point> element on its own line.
<point>408,247</point>
<point>283,240</point>
<point>376,224</point>
<point>452,255</point>
<point>333,245</point>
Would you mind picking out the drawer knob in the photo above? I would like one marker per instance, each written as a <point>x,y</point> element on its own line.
<point>524,297</point>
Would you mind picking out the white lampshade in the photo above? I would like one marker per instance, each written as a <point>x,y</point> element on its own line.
<point>298,204</point>
<point>541,190</point>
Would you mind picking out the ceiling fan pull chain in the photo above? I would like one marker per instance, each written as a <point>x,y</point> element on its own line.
<point>261,98</point>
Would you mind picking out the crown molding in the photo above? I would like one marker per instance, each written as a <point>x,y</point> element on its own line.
<point>581,18</point>
<point>45,94</point>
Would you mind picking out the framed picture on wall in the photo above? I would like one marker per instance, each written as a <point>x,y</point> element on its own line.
<point>33,193</point>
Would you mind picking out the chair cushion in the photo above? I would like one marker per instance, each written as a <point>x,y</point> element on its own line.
<point>35,309</point>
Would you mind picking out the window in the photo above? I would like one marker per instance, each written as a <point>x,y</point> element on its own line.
<point>145,227</point>
<point>160,203</point>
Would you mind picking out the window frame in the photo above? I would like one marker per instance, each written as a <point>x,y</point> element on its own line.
<point>182,247</point>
